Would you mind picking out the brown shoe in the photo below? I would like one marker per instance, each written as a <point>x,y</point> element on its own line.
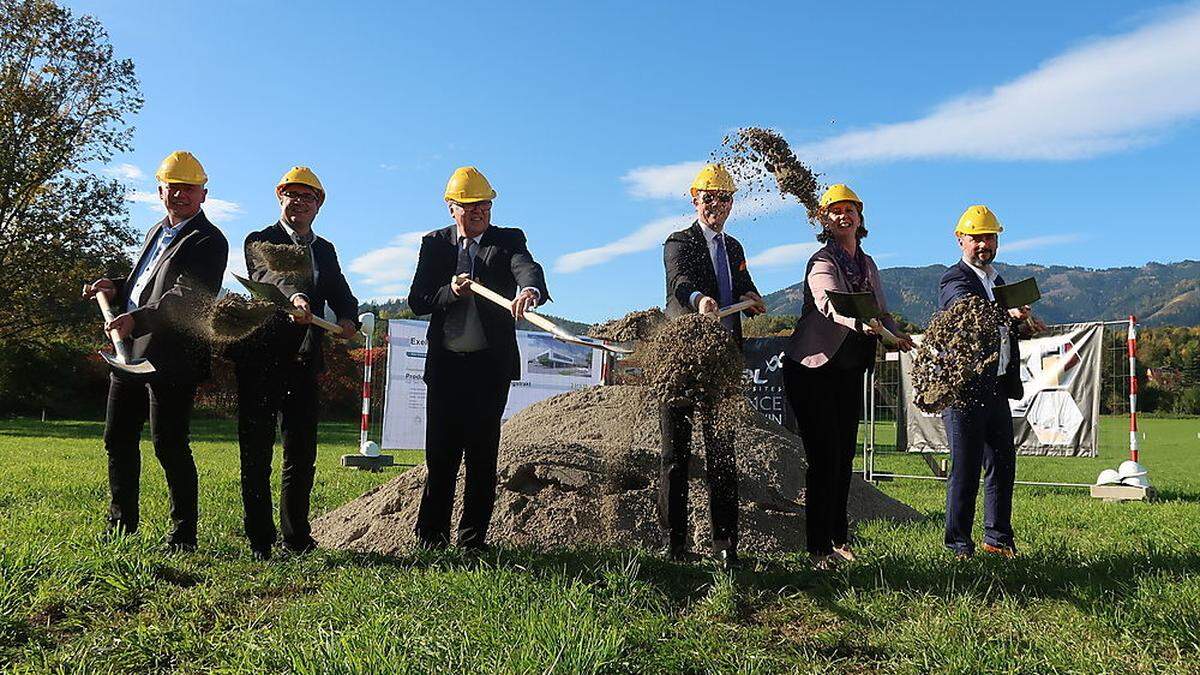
<point>824,563</point>
<point>844,553</point>
<point>1002,551</point>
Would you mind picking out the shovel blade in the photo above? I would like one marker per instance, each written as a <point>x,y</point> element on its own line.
<point>261,290</point>
<point>139,367</point>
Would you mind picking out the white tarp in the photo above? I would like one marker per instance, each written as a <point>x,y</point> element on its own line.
<point>548,367</point>
<point>1060,412</point>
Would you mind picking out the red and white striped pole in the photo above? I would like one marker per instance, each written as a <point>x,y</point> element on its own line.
<point>368,328</point>
<point>1133,389</point>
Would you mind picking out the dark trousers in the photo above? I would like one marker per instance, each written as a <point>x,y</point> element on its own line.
<point>827,402</point>
<point>168,404</point>
<point>464,403</point>
<point>721,471</point>
<point>265,395</point>
<point>980,436</point>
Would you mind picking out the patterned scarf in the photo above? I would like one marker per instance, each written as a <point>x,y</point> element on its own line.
<point>854,267</point>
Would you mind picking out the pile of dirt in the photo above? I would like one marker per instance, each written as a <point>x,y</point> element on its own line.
<point>693,357</point>
<point>753,155</point>
<point>227,319</point>
<point>583,467</point>
<point>638,325</point>
<point>953,351</point>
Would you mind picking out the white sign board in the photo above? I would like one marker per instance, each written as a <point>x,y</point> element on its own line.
<point>548,367</point>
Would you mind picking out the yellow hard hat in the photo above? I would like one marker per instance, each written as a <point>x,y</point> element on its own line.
<point>467,185</point>
<point>301,175</point>
<point>713,177</point>
<point>978,219</point>
<point>181,167</point>
<point>840,193</point>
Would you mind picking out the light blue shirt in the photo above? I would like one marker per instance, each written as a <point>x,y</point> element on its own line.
<point>142,275</point>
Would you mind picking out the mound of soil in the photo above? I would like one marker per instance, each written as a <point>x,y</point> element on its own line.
<point>583,467</point>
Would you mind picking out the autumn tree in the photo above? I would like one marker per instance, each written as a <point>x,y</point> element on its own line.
<point>65,100</point>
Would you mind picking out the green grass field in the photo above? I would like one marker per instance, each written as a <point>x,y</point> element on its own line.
<point>1098,587</point>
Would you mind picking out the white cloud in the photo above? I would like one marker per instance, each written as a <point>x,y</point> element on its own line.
<point>217,210</point>
<point>389,269</point>
<point>783,256</point>
<point>123,171</point>
<point>666,181</point>
<point>1104,96</point>
<point>1039,242</point>
<point>220,210</point>
<point>644,238</point>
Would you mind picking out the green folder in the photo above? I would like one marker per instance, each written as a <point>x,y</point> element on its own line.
<point>1021,293</point>
<point>861,306</point>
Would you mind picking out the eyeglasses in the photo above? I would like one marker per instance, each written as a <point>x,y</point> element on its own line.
<point>711,197</point>
<point>475,206</point>
<point>303,197</point>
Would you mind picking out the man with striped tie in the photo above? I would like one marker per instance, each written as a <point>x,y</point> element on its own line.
<point>176,275</point>
<point>472,354</point>
<point>706,270</point>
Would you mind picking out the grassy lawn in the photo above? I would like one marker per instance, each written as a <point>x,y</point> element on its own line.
<point>1098,588</point>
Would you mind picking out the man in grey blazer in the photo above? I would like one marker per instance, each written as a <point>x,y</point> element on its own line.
<point>177,273</point>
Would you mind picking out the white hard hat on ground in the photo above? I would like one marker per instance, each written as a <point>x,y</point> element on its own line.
<point>1108,477</point>
<point>369,449</point>
<point>1130,468</point>
<point>1136,481</point>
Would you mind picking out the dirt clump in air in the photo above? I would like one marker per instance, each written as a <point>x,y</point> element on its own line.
<point>234,317</point>
<point>289,260</point>
<point>754,156</point>
<point>954,350</point>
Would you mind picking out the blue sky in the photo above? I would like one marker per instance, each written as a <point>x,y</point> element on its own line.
<point>1076,122</point>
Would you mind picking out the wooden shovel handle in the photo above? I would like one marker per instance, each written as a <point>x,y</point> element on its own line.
<point>735,308</point>
<point>318,321</point>
<point>531,317</point>
<point>106,310</point>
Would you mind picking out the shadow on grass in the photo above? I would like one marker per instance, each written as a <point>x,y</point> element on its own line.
<point>203,430</point>
<point>1093,583</point>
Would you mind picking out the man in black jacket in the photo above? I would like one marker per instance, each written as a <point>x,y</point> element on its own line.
<point>277,368</point>
<point>177,274</point>
<point>706,270</point>
<point>981,434</point>
<point>472,354</point>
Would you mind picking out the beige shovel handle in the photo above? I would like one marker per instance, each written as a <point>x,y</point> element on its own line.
<point>531,317</point>
<point>735,308</point>
<point>889,338</point>
<point>106,310</point>
<point>318,321</point>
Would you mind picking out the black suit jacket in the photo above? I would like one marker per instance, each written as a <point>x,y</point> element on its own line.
<point>184,279</point>
<point>503,264</point>
<point>281,336</point>
<point>959,281</point>
<point>690,269</point>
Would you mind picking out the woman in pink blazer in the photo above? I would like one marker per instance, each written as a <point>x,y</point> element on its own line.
<point>823,374</point>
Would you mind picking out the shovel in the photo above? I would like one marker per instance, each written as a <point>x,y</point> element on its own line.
<point>270,293</point>
<point>862,306</point>
<point>121,361</point>
<point>1019,294</point>
<point>544,323</point>
<point>735,308</point>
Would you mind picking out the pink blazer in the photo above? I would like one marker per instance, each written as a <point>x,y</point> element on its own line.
<point>820,331</point>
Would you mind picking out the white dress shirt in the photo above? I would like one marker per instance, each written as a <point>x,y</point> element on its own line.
<point>142,276</point>
<point>987,274</point>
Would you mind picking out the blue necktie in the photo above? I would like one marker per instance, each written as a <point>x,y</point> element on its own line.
<point>724,284</point>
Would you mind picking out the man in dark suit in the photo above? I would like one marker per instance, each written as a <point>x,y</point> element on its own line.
<point>981,434</point>
<point>177,274</point>
<point>706,270</point>
<point>277,368</point>
<point>472,354</point>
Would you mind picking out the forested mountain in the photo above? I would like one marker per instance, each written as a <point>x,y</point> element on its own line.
<point>1158,294</point>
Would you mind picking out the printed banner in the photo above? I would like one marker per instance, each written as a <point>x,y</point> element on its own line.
<point>548,367</point>
<point>1060,412</point>
<point>764,379</point>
